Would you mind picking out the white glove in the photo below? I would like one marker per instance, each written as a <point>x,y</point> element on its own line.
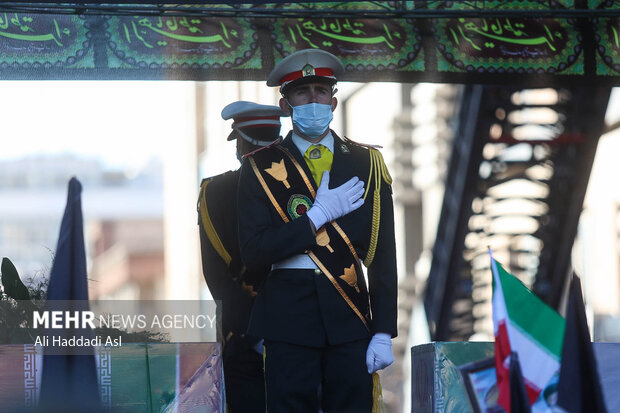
<point>331,204</point>
<point>379,353</point>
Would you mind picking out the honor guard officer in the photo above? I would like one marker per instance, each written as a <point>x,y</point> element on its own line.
<point>315,207</point>
<point>228,280</point>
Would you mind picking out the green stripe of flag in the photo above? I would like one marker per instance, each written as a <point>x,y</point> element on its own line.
<point>531,314</point>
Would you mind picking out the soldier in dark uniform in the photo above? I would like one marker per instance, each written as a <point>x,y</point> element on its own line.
<point>228,280</point>
<point>314,208</point>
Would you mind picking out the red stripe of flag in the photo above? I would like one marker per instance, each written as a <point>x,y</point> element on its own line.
<point>502,351</point>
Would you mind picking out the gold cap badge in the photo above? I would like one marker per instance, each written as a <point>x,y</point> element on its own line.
<point>308,70</point>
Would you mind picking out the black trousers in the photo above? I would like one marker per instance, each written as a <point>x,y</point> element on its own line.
<point>303,379</point>
<point>243,377</point>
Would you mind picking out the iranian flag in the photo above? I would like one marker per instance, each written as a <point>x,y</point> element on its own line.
<point>527,326</point>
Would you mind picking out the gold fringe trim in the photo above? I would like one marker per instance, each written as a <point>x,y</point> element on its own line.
<point>209,229</point>
<point>378,173</point>
<point>377,394</point>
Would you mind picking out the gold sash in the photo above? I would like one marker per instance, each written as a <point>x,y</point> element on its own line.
<point>288,188</point>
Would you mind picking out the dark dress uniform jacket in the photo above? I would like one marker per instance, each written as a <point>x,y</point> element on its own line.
<point>232,286</point>
<point>230,283</point>
<point>302,306</point>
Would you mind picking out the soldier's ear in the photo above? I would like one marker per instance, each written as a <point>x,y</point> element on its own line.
<point>334,103</point>
<point>285,106</point>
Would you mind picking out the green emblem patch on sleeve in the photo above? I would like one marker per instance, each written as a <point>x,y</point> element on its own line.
<point>298,205</point>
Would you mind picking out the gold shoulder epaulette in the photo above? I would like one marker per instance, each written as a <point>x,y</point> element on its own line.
<point>364,145</point>
<point>207,225</point>
<point>203,186</point>
<point>378,171</point>
<point>277,141</point>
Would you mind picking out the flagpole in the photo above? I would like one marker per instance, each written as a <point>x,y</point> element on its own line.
<point>149,391</point>
<point>565,292</point>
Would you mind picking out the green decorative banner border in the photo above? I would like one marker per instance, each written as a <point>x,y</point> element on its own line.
<point>511,48</point>
<point>181,42</point>
<point>509,45</point>
<point>362,45</point>
<point>45,41</point>
<point>606,37</point>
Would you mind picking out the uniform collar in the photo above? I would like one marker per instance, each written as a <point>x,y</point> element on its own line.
<point>303,145</point>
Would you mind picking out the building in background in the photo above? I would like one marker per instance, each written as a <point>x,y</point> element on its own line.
<point>123,219</point>
<point>596,254</point>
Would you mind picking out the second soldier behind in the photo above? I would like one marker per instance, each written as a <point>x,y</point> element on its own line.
<point>228,280</point>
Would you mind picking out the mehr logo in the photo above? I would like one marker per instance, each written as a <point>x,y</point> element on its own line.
<point>64,319</point>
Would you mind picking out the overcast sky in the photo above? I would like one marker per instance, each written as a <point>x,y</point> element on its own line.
<point>117,121</point>
<point>120,122</point>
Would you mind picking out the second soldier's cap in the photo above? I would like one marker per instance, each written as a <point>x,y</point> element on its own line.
<point>304,66</point>
<point>256,123</point>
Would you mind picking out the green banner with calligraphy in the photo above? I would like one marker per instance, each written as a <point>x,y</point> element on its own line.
<point>181,42</point>
<point>607,38</point>
<point>509,45</point>
<point>506,42</point>
<point>44,42</point>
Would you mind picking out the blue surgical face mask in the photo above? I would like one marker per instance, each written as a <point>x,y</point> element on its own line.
<point>312,119</point>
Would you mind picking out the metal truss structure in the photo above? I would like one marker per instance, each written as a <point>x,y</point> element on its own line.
<point>517,178</point>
